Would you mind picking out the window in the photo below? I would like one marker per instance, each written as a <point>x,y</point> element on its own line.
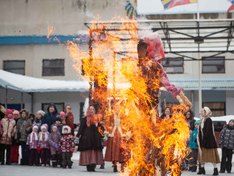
<point>217,108</point>
<point>59,106</point>
<point>174,65</point>
<point>213,65</point>
<point>14,66</point>
<point>53,67</point>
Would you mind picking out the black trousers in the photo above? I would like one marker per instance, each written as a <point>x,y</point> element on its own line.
<point>25,153</point>
<point>226,162</point>
<point>45,156</point>
<point>3,148</point>
<point>193,156</point>
<point>33,157</point>
<point>66,159</point>
<point>56,159</point>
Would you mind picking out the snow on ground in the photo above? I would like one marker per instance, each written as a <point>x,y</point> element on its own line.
<point>15,170</point>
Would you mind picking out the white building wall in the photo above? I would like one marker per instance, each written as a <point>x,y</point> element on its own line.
<point>230,102</point>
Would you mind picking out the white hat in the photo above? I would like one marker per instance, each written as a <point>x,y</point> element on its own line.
<point>67,128</point>
<point>41,112</point>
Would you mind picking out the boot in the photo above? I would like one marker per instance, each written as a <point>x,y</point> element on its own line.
<point>216,171</point>
<point>115,168</point>
<point>201,171</point>
<point>88,168</point>
<point>102,166</point>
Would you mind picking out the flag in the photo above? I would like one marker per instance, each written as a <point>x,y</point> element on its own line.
<point>172,3</point>
<point>231,8</point>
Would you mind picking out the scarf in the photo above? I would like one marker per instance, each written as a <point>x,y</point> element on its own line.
<point>33,137</point>
<point>43,136</point>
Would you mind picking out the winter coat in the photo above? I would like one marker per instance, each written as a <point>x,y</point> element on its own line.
<point>67,143</point>
<point>7,130</point>
<point>44,138</point>
<point>206,135</point>
<point>227,137</point>
<point>23,128</point>
<point>193,139</point>
<point>90,138</point>
<point>54,142</point>
<point>50,119</point>
<point>33,140</point>
<point>37,122</point>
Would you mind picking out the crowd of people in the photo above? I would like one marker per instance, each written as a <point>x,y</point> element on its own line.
<point>49,139</point>
<point>44,138</point>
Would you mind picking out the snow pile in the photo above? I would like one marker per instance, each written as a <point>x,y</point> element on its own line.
<point>30,84</point>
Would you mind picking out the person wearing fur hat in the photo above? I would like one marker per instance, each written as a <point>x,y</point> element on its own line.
<point>208,152</point>
<point>23,128</point>
<point>54,141</point>
<point>7,124</point>
<point>15,142</point>
<point>44,146</point>
<point>227,145</point>
<point>67,146</point>
<point>32,142</point>
<point>38,118</point>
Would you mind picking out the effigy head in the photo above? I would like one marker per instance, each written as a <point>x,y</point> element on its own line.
<point>155,49</point>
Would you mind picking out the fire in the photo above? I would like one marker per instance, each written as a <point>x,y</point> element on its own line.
<point>147,140</point>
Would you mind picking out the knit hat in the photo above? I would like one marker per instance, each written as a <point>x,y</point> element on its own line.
<point>35,127</point>
<point>42,113</point>
<point>62,113</point>
<point>15,112</point>
<point>66,127</point>
<point>44,126</point>
<point>8,112</point>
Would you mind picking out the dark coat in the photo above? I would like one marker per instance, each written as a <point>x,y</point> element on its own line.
<point>206,135</point>
<point>90,138</point>
<point>227,137</point>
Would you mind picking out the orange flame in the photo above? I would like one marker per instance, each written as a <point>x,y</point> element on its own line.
<point>147,141</point>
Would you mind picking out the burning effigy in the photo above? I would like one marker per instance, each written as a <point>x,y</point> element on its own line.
<point>126,87</point>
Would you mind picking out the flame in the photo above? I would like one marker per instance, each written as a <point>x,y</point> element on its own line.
<point>147,140</point>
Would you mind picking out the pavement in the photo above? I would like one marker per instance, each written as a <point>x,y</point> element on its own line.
<point>17,170</point>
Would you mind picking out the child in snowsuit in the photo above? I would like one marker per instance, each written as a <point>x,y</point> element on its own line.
<point>67,146</point>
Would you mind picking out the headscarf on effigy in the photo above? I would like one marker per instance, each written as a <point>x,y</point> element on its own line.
<point>155,49</point>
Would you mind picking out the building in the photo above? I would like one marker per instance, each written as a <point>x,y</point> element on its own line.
<point>25,49</point>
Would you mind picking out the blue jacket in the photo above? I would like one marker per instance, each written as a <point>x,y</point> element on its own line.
<point>193,139</point>
<point>49,119</point>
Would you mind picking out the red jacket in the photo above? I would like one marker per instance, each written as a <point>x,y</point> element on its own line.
<point>70,120</point>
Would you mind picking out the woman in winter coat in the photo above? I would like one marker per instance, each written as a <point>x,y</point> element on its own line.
<point>227,145</point>
<point>208,152</point>
<point>7,124</point>
<point>90,143</point>
<point>51,116</point>
<point>23,128</point>
<point>15,142</point>
<point>70,118</point>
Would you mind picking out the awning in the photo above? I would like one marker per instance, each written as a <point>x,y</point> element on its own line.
<point>206,83</point>
<point>30,84</point>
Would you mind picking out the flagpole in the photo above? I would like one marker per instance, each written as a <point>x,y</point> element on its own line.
<point>199,65</point>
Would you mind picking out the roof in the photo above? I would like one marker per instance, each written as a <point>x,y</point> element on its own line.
<point>206,83</point>
<point>29,84</point>
<point>180,37</point>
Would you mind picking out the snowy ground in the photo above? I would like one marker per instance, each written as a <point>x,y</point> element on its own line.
<point>15,170</point>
